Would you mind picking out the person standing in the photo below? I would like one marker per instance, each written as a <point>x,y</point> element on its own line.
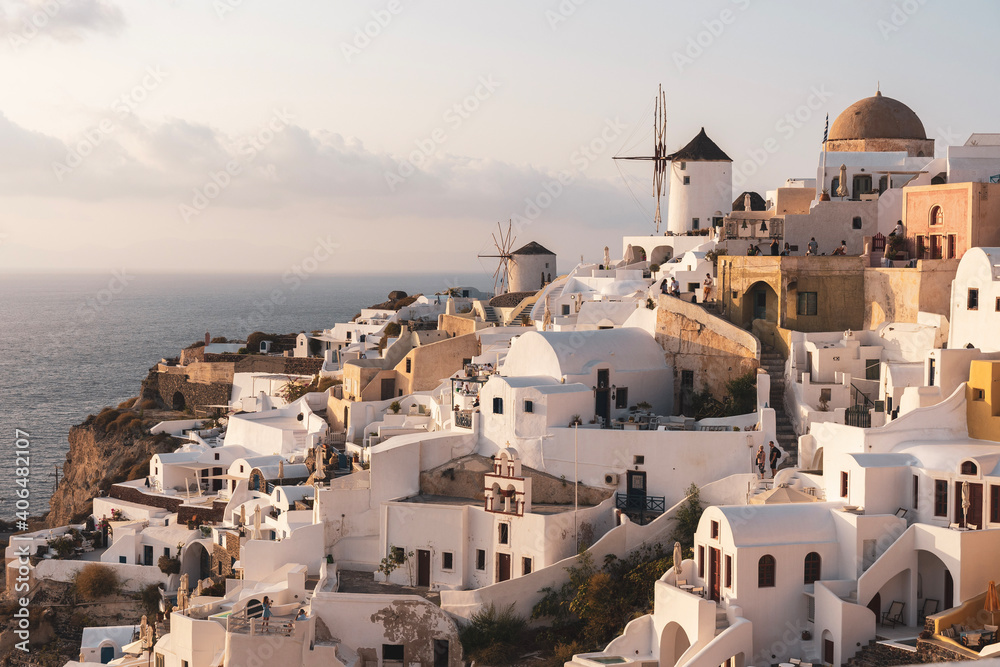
<point>773,456</point>
<point>813,246</point>
<point>787,251</point>
<point>761,460</point>
<point>267,613</point>
<point>707,292</point>
<point>774,247</point>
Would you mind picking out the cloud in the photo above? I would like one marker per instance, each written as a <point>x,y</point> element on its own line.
<point>61,20</point>
<point>178,163</point>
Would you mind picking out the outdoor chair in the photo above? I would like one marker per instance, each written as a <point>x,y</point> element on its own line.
<point>699,591</point>
<point>930,607</point>
<point>894,615</point>
<point>681,582</point>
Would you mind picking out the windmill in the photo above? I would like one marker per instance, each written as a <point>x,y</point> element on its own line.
<point>660,158</point>
<point>503,243</point>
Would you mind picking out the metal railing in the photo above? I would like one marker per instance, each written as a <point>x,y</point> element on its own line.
<point>463,418</point>
<point>641,505</point>
<point>859,413</point>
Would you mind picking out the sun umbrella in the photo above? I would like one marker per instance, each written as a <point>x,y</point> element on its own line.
<point>547,319</point>
<point>256,523</point>
<point>842,186</point>
<point>678,557</point>
<point>243,515</point>
<point>992,604</point>
<point>607,256</point>
<point>281,469</point>
<point>319,473</point>
<point>965,503</point>
<point>629,255</point>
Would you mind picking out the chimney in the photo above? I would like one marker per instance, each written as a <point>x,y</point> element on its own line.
<point>208,339</point>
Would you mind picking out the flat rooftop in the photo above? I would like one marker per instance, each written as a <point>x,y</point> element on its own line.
<point>425,499</point>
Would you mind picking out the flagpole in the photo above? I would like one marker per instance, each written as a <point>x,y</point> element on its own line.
<point>822,181</point>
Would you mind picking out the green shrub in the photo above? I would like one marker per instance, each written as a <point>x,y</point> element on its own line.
<point>688,516</point>
<point>169,565</point>
<point>150,599</point>
<point>96,581</point>
<point>493,635</point>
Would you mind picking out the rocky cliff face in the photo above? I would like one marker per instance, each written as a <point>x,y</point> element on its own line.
<point>106,449</point>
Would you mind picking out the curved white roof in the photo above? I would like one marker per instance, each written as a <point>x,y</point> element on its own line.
<point>793,523</point>
<point>947,456</point>
<point>982,263</point>
<point>558,353</point>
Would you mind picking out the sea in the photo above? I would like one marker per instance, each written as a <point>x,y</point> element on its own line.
<point>72,344</point>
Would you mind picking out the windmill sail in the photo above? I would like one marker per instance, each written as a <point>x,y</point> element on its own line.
<point>503,241</point>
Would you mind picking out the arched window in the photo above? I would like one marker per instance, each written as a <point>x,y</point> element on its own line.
<point>765,572</point>
<point>813,565</point>
<point>936,215</point>
<point>969,468</point>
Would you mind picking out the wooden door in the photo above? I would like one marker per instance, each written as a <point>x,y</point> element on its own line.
<point>636,485</point>
<point>423,567</point>
<point>828,651</point>
<point>388,388</point>
<point>975,514</point>
<point>715,574</point>
<point>503,567</point>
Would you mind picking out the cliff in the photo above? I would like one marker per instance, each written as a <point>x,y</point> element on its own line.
<point>112,447</point>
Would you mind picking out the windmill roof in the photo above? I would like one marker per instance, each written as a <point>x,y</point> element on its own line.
<point>533,248</point>
<point>703,149</point>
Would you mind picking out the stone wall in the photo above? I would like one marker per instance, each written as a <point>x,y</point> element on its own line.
<point>164,388</point>
<point>223,557</point>
<point>897,295</point>
<point>134,495</point>
<point>204,514</point>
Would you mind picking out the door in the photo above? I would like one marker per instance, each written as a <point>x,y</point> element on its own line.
<point>759,304</point>
<point>147,554</point>
<point>503,567</point>
<point>714,574</point>
<point>635,487</point>
<point>828,651</point>
<point>862,185</point>
<point>876,606</point>
<point>423,567</point>
<point>602,397</point>
<point>107,654</point>
<point>930,375</point>
<point>441,653</point>
<point>388,388</point>
<point>975,513</point>
<point>949,590</point>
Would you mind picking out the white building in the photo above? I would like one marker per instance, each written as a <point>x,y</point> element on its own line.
<point>975,301</point>
<point>531,267</point>
<point>701,186</point>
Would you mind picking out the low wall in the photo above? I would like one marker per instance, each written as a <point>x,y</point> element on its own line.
<point>133,577</point>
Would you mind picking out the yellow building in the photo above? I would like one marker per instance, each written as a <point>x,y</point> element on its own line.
<point>982,396</point>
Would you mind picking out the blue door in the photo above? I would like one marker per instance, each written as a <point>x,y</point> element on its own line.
<point>107,654</point>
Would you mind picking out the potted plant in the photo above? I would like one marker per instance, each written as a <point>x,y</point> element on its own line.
<point>806,635</point>
<point>395,407</point>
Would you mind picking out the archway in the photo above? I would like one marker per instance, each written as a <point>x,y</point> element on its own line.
<point>196,562</point>
<point>760,302</point>
<point>178,402</point>
<point>661,254</point>
<point>673,643</point>
<point>935,585</point>
<point>896,589</point>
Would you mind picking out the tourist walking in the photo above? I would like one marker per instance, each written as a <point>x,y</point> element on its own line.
<point>707,292</point>
<point>761,460</point>
<point>774,455</point>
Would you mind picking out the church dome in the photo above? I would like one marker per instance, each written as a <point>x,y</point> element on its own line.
<point>877,117</point>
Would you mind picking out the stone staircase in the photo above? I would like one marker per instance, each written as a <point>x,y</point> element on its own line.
<point>491,315</point>
<point>772,362</point>
<point>721,621</point>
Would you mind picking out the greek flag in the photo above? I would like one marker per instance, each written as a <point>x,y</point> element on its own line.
<point>826,130</point>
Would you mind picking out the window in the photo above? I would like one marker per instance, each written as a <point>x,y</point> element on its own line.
<point>217,456</point>
<point>994,503</point>
<point>525,566</point>
<point>765,572</point>
<point>969,468</point>
<point>122,559</point>
<point>807,303</point>
<point>920,246</point>
<point>843,484</point>
<point>856,222</point>
<point>695,223</point>
<point>715,530</point>
<point>497,405</point>
<point>936,216</point>
<point>504,537</point>
<point>873,369</point>
<point>409,365</point>
<point>392,652</point>
<point>398,554</point>
<point>447,561</point>
<point>811,571</point>
<point>940,497</point>
<point>565,309</point>
<point>638,459</point>
<point>952,243</point>
<point>621,398</point>
<point>701,561</point>
<point>916,490</point>
<point>973,301</point>
<point>998,304</point>
<point>978,394</point>
<point>166,551</point>
<point>160,661</point>
<point>185,663</point>
<point>684,165</point>
<point>687,180</point>
<point>729,571</point>
<point>529,406</point>
<point>687,379</point>
<point>480,559</point>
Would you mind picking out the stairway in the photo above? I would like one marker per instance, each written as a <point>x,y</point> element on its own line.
<point>721,621</point>
<point>491,315</point>
<point>788,442</point>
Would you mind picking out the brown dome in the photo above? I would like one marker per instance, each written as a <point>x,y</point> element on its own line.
<point>877,118</point>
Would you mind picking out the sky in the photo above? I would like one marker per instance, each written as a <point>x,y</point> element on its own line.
<point>244,136</point>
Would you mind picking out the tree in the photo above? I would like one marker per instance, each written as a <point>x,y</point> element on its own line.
<point>688,516</point>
